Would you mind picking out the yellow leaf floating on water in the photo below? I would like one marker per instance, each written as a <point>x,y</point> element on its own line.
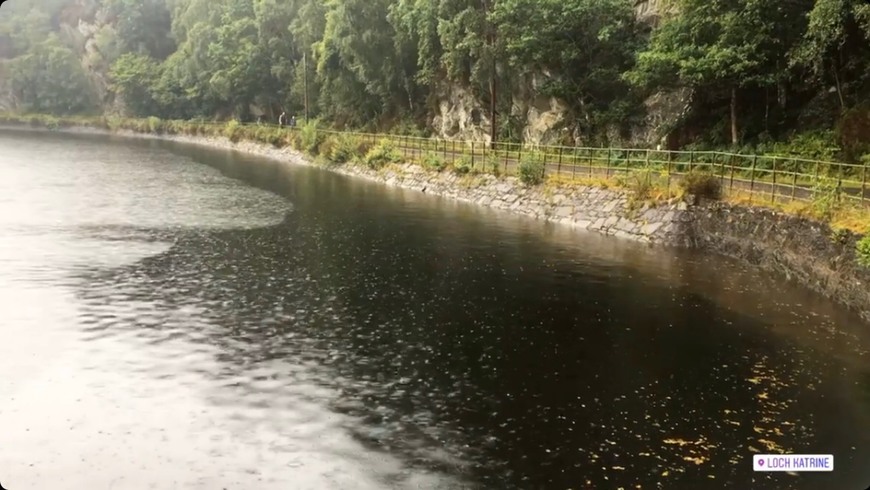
<point>763,396</point>
<point>665,473</point>
<point>694,460</point>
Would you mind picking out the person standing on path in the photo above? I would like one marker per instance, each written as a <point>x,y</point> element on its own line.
<point>282,119</point>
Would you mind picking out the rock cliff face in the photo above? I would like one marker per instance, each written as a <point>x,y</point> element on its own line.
<point>546,120</point>
<point>6,98</point>
<point>460,115</point>
<point>80,24</point>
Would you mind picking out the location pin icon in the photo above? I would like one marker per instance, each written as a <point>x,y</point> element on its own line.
<point>760,462</point>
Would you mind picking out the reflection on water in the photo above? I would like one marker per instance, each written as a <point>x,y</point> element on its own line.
<point>170,327</point>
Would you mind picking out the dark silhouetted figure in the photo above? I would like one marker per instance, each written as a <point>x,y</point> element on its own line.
<point>282,119</point>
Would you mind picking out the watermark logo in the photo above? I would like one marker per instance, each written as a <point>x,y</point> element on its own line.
<point>793,462</point>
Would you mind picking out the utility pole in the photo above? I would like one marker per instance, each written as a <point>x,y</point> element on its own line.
<point>493,131</point>
<point>305,83</point>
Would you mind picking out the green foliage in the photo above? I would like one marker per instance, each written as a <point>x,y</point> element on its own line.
<point>344,149</point>
<point>833,26</point>
<point>391,63</point>
<point>862,251</point>
<point>462,165</point>
<point>155,125</point>
<point>585,44</point>
<point>493,164</point>
<point>639,182</point>
<point>310,138</point>
<point>143,26</point>
<point>839,235</point>
<point>826,199</point>
<point>382,154</point>
<point>135,77</point>
<point>233,130</point>
<point>816,145</point>
<point>50,79</point>
<point>531,168</point>
<point>433,161</point>
<point>701,184</point>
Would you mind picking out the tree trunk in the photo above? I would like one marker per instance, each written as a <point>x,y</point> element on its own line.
<point>839,88</point>
<point>493,129</point>
<point>734,116</point>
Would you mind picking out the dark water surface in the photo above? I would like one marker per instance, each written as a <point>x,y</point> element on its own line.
<point>177,317</point>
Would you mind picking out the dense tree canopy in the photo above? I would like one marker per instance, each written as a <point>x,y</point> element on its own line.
<point>757,68</point>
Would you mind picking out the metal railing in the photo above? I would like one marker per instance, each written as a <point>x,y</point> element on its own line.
<point>777,178</point>
<point>772,177</point>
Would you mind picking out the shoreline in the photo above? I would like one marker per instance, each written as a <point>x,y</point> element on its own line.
<point>801,249</point>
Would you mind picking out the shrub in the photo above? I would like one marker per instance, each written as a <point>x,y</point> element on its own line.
<point>702,184</point>
<point>816,145</point>
<point>639,182</point>
<point>462,165</point>
<point>276,138</point>
<point>155,125</point>
<point>343,149</point>
<point>826,199</point>
<point>363,147</point>
<point>327,147</point>
<point>862,251</point>
<point>382,154</point>
<point>232,130</point>
<point>51,123</point>
<point>310,138</point>
<point>493,164</point>
<point>113,123</point>
<point>531,169</point>
<point>433,162</point>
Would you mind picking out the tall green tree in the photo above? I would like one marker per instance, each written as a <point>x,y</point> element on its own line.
<point>144,26</point>
<point>583,47</point>
<point>720,46</point>
<point>135,78</point>
<point>364,75</point>
<point>836,45</point>
<point>50,79</point>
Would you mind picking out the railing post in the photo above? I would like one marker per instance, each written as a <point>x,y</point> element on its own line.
<point>589,160</point>
<point>840,182</point>
<point>670,156</point>
<point>544,166</point>
<point>794,180</point>
<point>607,174</point>
<point>773,187</point>
<point>472,153</point>
<point>864,181</point>
<point>731,183</point>
<point>752,177</point>
<point>506,152</point>
<point>453,154</point>
<point>559,167</point>
<point>691,160</point>
<point>574,163</point>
